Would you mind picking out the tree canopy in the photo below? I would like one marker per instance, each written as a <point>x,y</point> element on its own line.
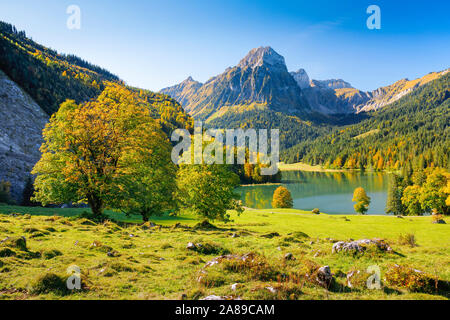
<point>98,153</point>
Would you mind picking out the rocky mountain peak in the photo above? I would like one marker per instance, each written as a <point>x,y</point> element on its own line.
<point>263,56</point>
<point>189,79</point>
<point>302,78</point>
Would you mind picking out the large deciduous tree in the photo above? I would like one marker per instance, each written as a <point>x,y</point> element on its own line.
<point>208,190</point>
<point>105,153</point>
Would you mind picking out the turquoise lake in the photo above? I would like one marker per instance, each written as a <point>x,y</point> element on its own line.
<point>331,192</point>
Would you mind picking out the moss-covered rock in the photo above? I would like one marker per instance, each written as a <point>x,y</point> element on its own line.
<point>50,254</point>
<point>49,283</point>
<point>19,243</point>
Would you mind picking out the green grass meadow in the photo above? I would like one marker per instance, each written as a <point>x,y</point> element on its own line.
<point>154,263</point>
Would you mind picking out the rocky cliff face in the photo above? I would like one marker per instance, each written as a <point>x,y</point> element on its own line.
<point>331,84</point>
<point>302,78</point>
<point>21,124</point>
<point>260,79</point>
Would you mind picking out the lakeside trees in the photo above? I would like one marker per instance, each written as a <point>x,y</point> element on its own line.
<point>282,198</point>
<point>362,200</point>
<point>424,191</point>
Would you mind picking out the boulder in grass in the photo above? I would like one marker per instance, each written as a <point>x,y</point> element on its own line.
<point>359,246</point>
<point>289,256</point>
<point>191,246</point>
<point>214,297</point>
<point>324,277</point>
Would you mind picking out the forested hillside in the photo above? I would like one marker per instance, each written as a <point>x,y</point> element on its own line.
<point>412,133</point>
<point>292,128</point>
<point>48,77</point>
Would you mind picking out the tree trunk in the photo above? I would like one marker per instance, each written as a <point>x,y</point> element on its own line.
<point>96,205</point>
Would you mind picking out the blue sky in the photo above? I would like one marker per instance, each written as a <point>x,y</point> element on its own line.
<point>154,44</point>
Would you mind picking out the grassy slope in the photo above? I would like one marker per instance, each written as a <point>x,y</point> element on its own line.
<point>300,166</point>
<point>140,273</point>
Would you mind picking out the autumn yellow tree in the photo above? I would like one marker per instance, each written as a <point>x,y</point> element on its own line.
<point>282,198</point>
<point>106,153</point>
<point>362,200</point>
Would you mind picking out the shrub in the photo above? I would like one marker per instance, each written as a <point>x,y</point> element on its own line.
<point>277,291</point>
<point>316,211</point>
<point>437,218</point>
<point>50,254</point>
<point>50,283</point>
<point>407,239</point>
<point>357,279</point>
<point>282,198</point>
<point>410,279</point>
<point>254,266</point>
<point>210,248</point>
<point>5,192</point>
<point>205,225</point>
<point>6,252</point>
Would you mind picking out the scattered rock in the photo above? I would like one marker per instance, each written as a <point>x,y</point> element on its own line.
<point>234,286</point>
<point>217,260</point>
<point>289,256</point>
<point>235,235</point>
<point>271,289</point>
<point>113,254</point>
<point>441,221</point>
<point>349,277</point>
<point>214,297</point>
<point>191,246</point>
<point>324,276</point>
<point>360,245</point>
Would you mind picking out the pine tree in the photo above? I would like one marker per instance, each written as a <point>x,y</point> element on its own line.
<point>394,196</point>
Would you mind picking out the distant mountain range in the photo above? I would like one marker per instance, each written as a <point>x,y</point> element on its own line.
<point>261,81</point>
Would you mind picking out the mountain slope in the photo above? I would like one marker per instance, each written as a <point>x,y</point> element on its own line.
<point>48,77</point>
<point>21,124</point>
<point>414,132</point>
<point>384,96</point>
